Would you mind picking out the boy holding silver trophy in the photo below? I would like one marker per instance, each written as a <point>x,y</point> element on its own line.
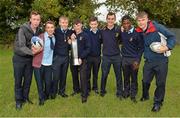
<point>80,49</point>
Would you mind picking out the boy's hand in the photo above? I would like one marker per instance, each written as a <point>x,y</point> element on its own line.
<point>135,65</point>
<point>80,61</point>
<point>36,50</point>
<point>163,49</point>
<point>69,41</point>
<point>73,36</point>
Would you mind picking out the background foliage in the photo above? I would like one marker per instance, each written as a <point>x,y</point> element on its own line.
<point>14,13</point>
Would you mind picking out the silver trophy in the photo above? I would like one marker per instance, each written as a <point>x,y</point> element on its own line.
<point>74,49</point>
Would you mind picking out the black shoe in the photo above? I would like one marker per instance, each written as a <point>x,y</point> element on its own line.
<point>120,97</point>
<point>133,99</point>
<point>88,94</point>
<point>41,102</point>
<point>74,93</point>
<point>89,90</point>
<point>102,94</point>
<point>126,96</point>
<point>156,108</point>
<point>53,96</point>
<point>27,101</point>
<point>63,95</point>
<point>144,99</point>
<point>18,106</point>
<point>96,91</point>
<point>84,99</point>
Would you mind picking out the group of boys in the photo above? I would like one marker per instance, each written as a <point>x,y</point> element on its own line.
<point>50,62</point>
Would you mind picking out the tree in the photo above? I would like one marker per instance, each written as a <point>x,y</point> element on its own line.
<point>160,10</point>
<point>49,9</point>
<point>52,9</point>
<point>15,12</point>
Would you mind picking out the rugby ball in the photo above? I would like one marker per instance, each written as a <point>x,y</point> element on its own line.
<point>36,42</point>
<point>155,46</point>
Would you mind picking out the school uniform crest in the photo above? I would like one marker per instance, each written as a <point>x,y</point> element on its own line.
<point>131,39</point>
<point>116,35</point>
<point>80,38</point>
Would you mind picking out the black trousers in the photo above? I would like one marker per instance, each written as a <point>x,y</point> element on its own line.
<point>46,79</point>
<point>23,76</point>
<point>82,72</point>
<point>130,77</point>
<point>93,64</point>
<point>158,69</point>
<point>105,67</point>
<point>60,68</point>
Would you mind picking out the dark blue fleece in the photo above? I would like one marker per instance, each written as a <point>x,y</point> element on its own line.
<point>132,44</point>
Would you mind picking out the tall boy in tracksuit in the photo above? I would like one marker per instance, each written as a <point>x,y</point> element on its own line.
<point>132,49</point>
<point>156,63</point>
<point>22,58</point>
<point>94,57</point>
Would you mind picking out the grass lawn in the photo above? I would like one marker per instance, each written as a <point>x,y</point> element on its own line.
<point>96,105</point>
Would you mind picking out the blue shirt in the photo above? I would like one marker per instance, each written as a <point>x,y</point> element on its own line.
<point>47,52</point>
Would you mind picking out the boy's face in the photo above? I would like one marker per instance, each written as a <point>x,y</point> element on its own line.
<point>35,21</point>
<point>50,29</point>
<point>93,25</point>
<point>142,22</point>
<point>110,20</point>
<point>63,23</point>
<point>126,24</point>
<point>78,27</point>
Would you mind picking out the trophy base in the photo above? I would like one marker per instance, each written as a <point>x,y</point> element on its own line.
<point>76,62</point>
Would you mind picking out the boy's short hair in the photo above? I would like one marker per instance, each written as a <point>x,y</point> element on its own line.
<point>126,17</point>
<point>93,19</point>
<point>49,22</point>
<point>141,14</point>
<point>34,13</point>
<point>63,17</point>
<point>77,21</point>
<point>111,14</point>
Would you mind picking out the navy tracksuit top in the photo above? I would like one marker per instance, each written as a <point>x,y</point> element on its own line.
<point>151,35</point>
<point>111,40</point>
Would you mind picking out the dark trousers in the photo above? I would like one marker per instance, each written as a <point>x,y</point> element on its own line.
<point>39,83</point>
<point>93,64</point>
<point>43,76</point>
<point>130,77</point>
<point>23,77</point>
<point>106,64</point>
<point>60,68</point>
<point>158,69</point>
<point>82,71</point>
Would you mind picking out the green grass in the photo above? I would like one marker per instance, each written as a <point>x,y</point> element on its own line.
<point>96,105</point>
